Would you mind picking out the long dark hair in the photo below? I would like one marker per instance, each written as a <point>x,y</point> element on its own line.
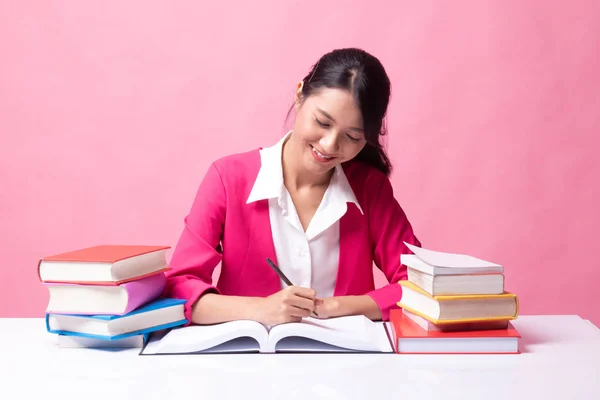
<point>361,74</point>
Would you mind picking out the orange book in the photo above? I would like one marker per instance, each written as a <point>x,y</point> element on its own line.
<point>458,308</point>
<point>103,265</point>
<point>410,338</point>
<point>458,326</point>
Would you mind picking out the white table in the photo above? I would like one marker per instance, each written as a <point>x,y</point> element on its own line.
<point>560,360</point>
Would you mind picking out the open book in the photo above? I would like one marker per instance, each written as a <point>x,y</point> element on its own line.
<point>343,334</point>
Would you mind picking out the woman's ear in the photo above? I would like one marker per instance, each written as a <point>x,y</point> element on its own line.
<point>298,94</point>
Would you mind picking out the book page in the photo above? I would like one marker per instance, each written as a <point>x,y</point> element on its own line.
<point>295,344</point>
<point>235,336</point>
<point>351,333</point>
<point>449,260</point>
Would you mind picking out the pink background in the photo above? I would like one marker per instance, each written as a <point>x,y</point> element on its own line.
<point>111,113</point>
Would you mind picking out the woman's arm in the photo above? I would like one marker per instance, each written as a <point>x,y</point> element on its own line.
<point>348,305</point>
<point>198,250</point>
<point>288,305</point>
<point>389,229</point>
<point>214,308</point>
<point>198,253</point>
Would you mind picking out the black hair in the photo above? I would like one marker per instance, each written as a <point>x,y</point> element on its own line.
<point>362,75</point>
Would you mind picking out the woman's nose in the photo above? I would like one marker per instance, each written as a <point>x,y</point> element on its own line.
<point>330,143</point>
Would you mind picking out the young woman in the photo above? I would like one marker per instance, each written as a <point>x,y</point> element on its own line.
<point>318,203</point>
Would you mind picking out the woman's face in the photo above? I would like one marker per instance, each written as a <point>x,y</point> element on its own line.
<point>328,129</point>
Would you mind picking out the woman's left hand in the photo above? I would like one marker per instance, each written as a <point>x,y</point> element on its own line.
<point>326,308</point>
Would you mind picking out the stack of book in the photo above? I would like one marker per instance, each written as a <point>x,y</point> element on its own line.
<point>453,303</point>
<point>108,295</point>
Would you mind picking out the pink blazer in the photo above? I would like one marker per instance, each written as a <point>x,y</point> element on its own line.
<point>221,227</point>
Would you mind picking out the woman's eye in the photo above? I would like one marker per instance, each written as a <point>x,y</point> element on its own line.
<point>321,124</point>
<point>353,138</point>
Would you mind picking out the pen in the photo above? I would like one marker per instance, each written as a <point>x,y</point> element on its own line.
<point>282,276</point>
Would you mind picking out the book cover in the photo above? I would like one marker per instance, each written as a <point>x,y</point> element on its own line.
<point>121,336</point>
<point>137,293</point>
<point>450,298</point>
<point>157,304</point>
<point>108,283</point>
<point>104,253</point>
<point>153,305</point>
<point>420,340</point>
<point>109,265</point>
<point>464,326</point>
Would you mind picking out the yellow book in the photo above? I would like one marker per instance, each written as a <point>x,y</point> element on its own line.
<point>450,309</point>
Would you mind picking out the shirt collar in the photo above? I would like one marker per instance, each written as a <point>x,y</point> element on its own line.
<point>269,181</point>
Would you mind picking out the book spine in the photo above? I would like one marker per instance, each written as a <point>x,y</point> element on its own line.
<point>143,290</point>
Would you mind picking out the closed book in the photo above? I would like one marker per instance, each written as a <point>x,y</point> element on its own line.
<point>440,285</point>
<point>83,342</point>
<point>458,308</point>
<point>410,338</point>
<point>68,298</point>
<point>455,327</point>
<point>159,314</point>
<point>103,264</point>
<point>441,263</point>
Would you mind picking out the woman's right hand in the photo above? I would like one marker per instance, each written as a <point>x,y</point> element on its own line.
<point>288,305</point>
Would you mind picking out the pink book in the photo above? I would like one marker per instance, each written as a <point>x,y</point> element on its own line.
<point>67,298</point>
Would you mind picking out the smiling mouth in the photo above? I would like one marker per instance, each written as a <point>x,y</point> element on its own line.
<point>320,156</point>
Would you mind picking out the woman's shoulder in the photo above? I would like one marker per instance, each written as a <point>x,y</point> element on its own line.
<point>369,184</point>
<point>238,164</point>
<point>361,174</point>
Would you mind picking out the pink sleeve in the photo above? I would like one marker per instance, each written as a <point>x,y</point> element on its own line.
<point>197,252</point>
<point>389,228</point>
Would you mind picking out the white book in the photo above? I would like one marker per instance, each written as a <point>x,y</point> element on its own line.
<point>447,285</point>
<point>439,263</point>
<point>81,342</point>
<point>343,334</point>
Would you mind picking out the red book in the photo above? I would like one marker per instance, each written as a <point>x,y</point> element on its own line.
<point>103,265</point>
<point>410,338</point>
